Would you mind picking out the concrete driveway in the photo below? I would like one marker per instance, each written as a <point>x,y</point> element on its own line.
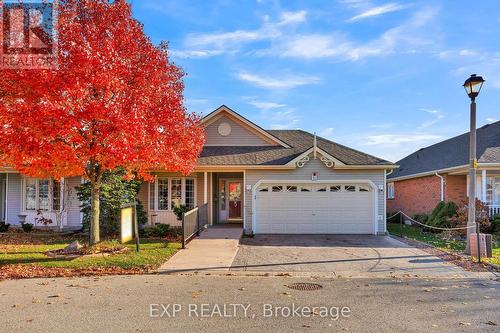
<point>341,255</point>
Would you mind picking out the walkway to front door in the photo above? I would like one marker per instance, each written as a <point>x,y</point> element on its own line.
<point>215,249</point>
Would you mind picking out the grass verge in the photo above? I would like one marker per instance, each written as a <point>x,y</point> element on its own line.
<point>438,241</point>
<point>30,255</point>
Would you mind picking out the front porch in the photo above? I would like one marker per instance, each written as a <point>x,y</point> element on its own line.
<point>222,191</point>
<point>488,189</point>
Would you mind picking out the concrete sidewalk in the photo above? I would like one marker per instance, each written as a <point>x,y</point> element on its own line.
<point>214,250</point>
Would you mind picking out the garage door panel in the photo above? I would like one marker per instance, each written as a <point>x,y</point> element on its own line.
<point>314,212</point>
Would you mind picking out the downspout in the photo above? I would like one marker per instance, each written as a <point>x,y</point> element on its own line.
<point>442,185</point>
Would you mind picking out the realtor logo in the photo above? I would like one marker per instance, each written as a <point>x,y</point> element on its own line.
<point>28,35</point>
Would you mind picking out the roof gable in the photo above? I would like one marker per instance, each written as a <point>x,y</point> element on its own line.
<point>225,127</point>
<point>453,152</point>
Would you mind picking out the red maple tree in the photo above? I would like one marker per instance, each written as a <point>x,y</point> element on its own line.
<point>115,100</point>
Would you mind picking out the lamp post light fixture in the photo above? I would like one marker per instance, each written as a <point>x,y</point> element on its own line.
<point>473,86</point>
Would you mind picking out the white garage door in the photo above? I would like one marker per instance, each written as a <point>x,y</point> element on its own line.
<point>314,209</point>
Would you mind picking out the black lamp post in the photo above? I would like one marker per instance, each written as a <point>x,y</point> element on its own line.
<point>473,86</point>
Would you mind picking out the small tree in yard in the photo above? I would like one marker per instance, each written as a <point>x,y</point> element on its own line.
<point>482,215</point>
<point>115,100</point>
<point>115,191</point>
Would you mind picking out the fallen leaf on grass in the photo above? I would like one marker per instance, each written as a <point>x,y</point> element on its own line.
<point>463,323</point>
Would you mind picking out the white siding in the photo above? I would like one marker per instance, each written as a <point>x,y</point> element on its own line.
<point>168,217</point>
<point>240,135</point>
<point>13,198</point>
<point>324,173</point>
<point>74,217</point>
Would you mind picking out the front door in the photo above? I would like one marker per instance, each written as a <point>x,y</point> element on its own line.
<point>234,200</point>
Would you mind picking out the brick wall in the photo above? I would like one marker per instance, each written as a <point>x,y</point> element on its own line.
<point>416,195</point>
<point>456,188</point>
<point>421,195</point>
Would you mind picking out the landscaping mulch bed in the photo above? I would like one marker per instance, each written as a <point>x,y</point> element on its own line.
<point>64,254</point>
<point>454,257</point>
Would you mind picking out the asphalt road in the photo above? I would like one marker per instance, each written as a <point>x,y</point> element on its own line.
<point>147,304</point>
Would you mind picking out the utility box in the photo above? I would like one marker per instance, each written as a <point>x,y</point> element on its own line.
<point>485,244</point>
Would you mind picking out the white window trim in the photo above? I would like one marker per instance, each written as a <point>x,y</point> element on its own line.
<point>37,203</point>
<point>169,198</point>
<point>391,190</point>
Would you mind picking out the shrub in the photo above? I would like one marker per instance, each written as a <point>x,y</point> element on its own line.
<point>422,218</point>
<point>495,225</point>
<point>442,215</point>
<point>27,227</point>
<point>159,230</point>
<point>115,192</point>
<point>4,227</point>
<point>180,210</point>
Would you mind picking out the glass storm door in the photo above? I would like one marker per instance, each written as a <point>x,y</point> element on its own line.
<point>234,202</point>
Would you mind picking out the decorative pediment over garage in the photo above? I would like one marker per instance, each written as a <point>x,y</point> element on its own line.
<point>316,153</point>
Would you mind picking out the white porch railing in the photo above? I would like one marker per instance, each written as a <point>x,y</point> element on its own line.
<point>494,210</point>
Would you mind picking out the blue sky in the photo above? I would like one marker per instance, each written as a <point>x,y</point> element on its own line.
<point>383,77</point>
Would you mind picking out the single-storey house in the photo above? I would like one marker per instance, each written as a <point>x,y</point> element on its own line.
<point>269,181</point>
<point>441,173</point>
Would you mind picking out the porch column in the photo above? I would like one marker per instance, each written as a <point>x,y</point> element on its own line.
<point>483,185</point>
<point>205,187</point>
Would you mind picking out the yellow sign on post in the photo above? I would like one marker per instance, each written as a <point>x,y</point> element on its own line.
<point>127,224</point>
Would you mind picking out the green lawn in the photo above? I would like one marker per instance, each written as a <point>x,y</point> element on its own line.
<point>413,232</point>
<point>153,253</point>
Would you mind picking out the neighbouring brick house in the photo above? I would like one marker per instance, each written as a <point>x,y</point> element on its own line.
<point>440,172</point>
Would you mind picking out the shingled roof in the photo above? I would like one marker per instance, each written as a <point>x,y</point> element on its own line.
<point>299,142</point>
<point>453,152</point>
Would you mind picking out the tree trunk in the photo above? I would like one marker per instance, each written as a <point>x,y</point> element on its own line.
<point>94,214</point>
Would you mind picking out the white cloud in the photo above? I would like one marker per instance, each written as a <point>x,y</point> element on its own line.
<point>491,120</point>
<point>283,119</point>
<point>437,116</point>
<point>409,37</point>
<point>468,53</point>
<point>292,17</point>
<point>327,132</point>
<point>487,65</point>
<point>194,53</point>
<point>266,105</point>
<point>216,43</point>
<point>274,82</point>
<point>377,11</point>
<point>396,139</point>
<point>431,111</point>
<point>316,46</point>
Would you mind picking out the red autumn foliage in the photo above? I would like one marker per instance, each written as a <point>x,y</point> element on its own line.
<point>482,215</point>
<point>115,100</point>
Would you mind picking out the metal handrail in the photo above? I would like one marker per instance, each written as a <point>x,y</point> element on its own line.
<point>193,223</point>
